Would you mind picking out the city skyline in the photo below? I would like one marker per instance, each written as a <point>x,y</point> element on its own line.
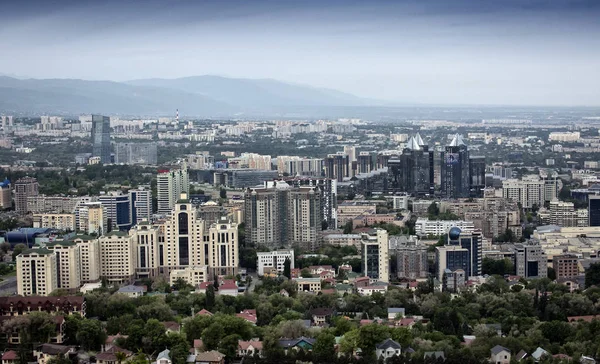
<point>509,53</point>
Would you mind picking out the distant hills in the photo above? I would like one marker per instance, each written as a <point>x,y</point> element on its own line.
<point>198,96</point>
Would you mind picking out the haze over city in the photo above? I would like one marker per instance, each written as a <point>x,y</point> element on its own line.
<point>401,52</point>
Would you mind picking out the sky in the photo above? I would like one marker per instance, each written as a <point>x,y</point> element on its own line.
<point>502,52</point>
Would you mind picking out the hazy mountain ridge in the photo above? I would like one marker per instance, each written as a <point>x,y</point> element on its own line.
<point>199,95</point>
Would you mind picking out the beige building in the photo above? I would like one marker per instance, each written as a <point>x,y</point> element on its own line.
<point>223,251</point>
<point>146,246</point>
<point>531,190</point>
<point>193,275</point>
<point>343,240</point>
<point>36,272</point>
<point>91,218</point>
<point>24,187</point>
<point>308,284</point>
<point>184,243</point>
<point>375,255</point>
<point>117,257</point>
<point>68,264</point>
<point>5,195</point>
<point>65,222</point>
<point>89,255</point>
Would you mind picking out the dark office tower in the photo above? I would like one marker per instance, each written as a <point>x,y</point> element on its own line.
<point>473,243</point>
<point>337,166</point>
<point>412,171</point>
<point>594,210</point>
<point>455,169</point>
<point>477,175</point>
<point>101,138</point>
<point>365,162</point>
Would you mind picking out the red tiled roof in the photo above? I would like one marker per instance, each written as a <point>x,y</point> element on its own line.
<point>198,344</point>
<point>111,338</point>
<point>204,285</point>
<point>204,312</point>
<point>248,317</point>
<point>228,284</point>
<point>66,303</point>
<point>10,355</point>
<point>587,318</point>
<point>109,355</point>
<point>171,325</point>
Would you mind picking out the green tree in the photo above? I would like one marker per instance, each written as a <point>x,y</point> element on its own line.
<point>305,272</point>
<point>433,210</point>
<point>18,249</point>
<point>592,275</point>
<point>210,297</point>
<point>223,193</point>
<point>181,284</point>
<point>348,227</point>
<point>287,270</point>
<point>91,335</point>
<point>323,349</point>
<point>229,344</point>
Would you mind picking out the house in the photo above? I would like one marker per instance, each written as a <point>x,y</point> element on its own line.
<point>387,349</point>
<point>111,341</point>
<point>587,318</point>
<point>14,338</point>
<point>562,357</point>
<point>361,282</point>
<point>395,312</point>
<point>249,348</point>
<point>521,355</point>
<point>110,357</point>
<point>571,284</point>
<point>228,288</point>
<point>210,357</point>
<point>304,343</point>
<point>284,293</point>
<point>203,287</point>
<point>248,315</point>
<point>539,353</point>
<point>406,322</point>
<point>438,356</point>
<point>10,357</point>
<point>16,306</point>
<point>308,284</point>
<point>369,290</point>
<point>198,346</point>
<point>321,315</point>
<point>204,312</point>
<point>164,357</point>
<point>587,360</point>
<point>132,291</point>
<point>343,288</point>
<point>172,327</point>
<point>46,352</point>
<point>317,270</point>
<point>500,355</point>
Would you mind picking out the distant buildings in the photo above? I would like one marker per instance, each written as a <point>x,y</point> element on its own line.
<point>337,166</point>
<point>141,204</point>
<point>412,171</point>
<point>594,210</point>
<point>117,207</point>
<point>455,169</point>
<point>136,153</point>
<point>531,261</point>
<point>411,258</point>
<point>24,188</point>
<point>5,195</point>
<point>101,138</point>
<point>531,190</point>
<point>426,227</point>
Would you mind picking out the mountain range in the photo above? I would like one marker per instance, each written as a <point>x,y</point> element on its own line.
<point>194,96</point>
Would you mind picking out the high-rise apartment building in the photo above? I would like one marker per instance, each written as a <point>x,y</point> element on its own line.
<point>350,151</point>
<point>36,272</point>
<point>147,250</point>
<point>223,253</point>
<point>375,255</point>
<point>117,257</point>
<point>531,190</point>
<point>68,264</point>
<point>328,190</point>
<point>89,254</point>
<point>412,260</point>
<point>5,195</point>
<point>64,222</point>
<point>91,218</point>
<point>455,169</point>
<point>184,243</point>
<point>25,187</point>
<point>364,162</point>
<point>136,153</point>
<point>282,215</point>
<point>170,184</point>
<point>337,166</point>
<point>477,168</point>
<point>101,138</point>
<point>141,204</point>
<point>472,241</point>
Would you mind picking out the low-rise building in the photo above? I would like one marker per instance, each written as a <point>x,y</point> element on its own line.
<point>194,275</point>
<point>308,284</point>
<point>64,222</point>
<point>274,259</point>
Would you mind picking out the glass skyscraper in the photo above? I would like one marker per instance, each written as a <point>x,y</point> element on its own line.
<point>101,138</point>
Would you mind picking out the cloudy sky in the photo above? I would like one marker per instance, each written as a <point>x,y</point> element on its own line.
<point>512,52</point>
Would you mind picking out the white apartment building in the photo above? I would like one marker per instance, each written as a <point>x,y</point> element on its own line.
<point>531,190</point>
<point>68,264</point>
<point>91,218</point>
<point>117,257</point>
<point>193,275</point>
<point>223,251</point>
<point>567,136</point>
<point>375,256</point>
<point>65,222</point>
<point>89,254</point>
<point>184,243</point>
<point>170,184</point>
<point>426,227</point>
<point>36,272</point>
<point>274,259</point>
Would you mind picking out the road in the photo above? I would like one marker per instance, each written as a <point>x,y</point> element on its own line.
<point>8,286</point>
